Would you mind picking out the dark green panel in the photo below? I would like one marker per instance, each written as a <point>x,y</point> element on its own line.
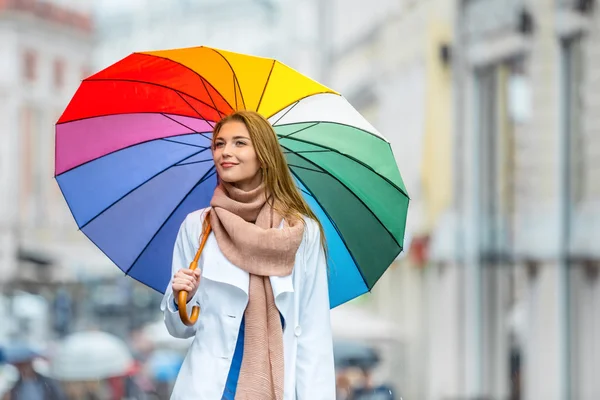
<point>371,245</point>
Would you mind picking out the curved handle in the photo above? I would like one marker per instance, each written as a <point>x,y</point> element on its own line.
<point>182,297</point>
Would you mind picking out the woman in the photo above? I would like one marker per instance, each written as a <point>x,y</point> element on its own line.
<point>264,330</point>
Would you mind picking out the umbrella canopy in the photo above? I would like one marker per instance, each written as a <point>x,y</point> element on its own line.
<point>164,365</point>
<point>354,354</point>
<point>133,158</point>
<point>86,356</point>
<point>19,353</point>
<point>159,336</point>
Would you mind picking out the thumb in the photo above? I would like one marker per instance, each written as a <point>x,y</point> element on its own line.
<point>197,273</point>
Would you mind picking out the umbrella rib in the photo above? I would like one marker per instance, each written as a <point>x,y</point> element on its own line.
<point>349,190</point>
<point>185,126</point>
<point>336,229</point>
<point>123,113</point>
<point>196,111</point>
<point>138,186</point>
<point>211,171</point>
<point>235,92</point>
<point>306,151</point>
<point>299,130</point>
<point>152,84</point>
<point>305,192</point>
<point>265,88</point>
<point>331,149</point>
<point>120,149</point>
<point>211,99</point>
<point>234,76</point>
<point>305,97</point>
<point>195,73</point>
<point>192,162</point>
<point>185,144</point>
<point>338,123</point>
<point>308,169</point>
<point>286,113</point>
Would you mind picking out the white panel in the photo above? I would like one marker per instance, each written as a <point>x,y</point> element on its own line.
<point>326,108</point>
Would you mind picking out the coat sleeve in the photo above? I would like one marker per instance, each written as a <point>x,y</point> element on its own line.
<point>315,374</point>
<point>183,254</point>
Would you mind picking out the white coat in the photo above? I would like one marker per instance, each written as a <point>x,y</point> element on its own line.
<point>302,299</point>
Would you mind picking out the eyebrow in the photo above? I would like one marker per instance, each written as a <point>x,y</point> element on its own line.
<point>234,138</point>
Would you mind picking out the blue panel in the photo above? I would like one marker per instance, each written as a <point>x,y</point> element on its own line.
<point>123,231</point>
<point>345,281</point>
<point>194,139</point>
<point>92,187</point>
<point>205,156</point>
<point>153,268</point>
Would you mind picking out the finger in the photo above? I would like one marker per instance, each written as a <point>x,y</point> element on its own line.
<point>197,274</point>
<point>187,271</point>
<point>185,279</point>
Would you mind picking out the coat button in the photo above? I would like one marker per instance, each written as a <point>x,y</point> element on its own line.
<point>297,330</point>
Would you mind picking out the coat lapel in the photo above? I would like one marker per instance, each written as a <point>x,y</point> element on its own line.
<point>219,269</point>
<point>216,267</point>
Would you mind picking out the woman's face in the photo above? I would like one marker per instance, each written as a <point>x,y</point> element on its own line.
<point>235,157</point>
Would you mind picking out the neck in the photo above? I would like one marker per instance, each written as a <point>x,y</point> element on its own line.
<point>249,184</point>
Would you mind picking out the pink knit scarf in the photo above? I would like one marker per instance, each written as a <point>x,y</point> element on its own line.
<point>247,231</point>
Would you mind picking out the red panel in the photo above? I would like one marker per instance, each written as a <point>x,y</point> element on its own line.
<point>95,98</point>
<point>164,72</point>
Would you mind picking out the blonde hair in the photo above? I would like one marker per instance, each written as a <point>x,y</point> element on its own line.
<point>274,167</point>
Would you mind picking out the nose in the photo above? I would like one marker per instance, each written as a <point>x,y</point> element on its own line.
<point>227,151</point>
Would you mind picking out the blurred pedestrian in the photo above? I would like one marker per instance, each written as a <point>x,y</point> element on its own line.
<point>31,385</point>
<point>343,386</point>
<point>264,289</point>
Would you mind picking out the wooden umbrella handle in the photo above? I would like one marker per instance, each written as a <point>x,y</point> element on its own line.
<point>182,297</point>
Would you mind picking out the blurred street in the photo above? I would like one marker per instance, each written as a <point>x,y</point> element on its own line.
<point>492,109</point>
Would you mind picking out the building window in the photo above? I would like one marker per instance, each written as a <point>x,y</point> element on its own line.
<point>29,65</point>
<point>34,161</point>
<point>59,73</point>
<point>575,155</point>
<point>498,119</point>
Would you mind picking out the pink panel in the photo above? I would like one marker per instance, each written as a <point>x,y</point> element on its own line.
<point>81,141</point>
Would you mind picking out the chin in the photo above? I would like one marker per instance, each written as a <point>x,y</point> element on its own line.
<point>228,178</point>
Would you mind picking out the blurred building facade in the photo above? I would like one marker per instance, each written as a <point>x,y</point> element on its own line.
<point>512,283</point>
<point>282,29</point>
<point>496,101</point>
<point>45,48</point>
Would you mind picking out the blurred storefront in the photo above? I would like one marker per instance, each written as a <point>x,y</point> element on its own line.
<point>48,268</point>
<point>524,159</point>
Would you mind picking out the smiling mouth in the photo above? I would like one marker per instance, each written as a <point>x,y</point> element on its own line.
<point>228,165</point>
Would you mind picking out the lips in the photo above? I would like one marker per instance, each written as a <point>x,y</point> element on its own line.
<point>228,165</point>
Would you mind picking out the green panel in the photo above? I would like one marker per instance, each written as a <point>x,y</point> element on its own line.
<point>353,220</point>
<point>383,199</point>
<point>356,143</point>
<point>284,130</point>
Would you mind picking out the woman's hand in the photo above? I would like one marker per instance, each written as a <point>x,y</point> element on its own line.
<point>186,279</point>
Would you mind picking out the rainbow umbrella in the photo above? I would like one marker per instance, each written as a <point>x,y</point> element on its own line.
<point>133,159</point>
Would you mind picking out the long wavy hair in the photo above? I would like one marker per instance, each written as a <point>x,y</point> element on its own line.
<point>287,200</point>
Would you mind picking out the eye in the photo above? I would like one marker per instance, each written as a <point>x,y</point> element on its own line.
<point>240,143</point>
<point>218,145</point>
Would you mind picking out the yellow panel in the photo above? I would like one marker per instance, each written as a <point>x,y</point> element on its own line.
<point>285,87</point>
<point>212,66</point>
<point>252,74</point>
<point>246,90</point>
